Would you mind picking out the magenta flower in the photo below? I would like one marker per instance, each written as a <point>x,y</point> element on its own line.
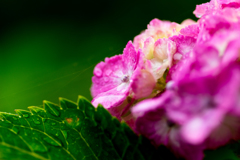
<point>197,106</point>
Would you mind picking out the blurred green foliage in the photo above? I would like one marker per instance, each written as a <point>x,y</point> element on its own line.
<point>49,48</point>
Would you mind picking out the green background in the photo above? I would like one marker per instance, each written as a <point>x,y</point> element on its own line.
<point>49,48</point>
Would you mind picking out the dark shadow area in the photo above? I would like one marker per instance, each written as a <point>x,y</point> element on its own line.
<point>49,48</point>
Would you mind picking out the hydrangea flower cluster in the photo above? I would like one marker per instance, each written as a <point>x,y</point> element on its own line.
<point>179,84</point>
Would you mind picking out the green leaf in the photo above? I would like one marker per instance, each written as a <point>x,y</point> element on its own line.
<point>230,151</point>
<point>72,131</point>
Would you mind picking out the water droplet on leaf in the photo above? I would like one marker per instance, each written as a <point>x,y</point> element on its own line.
<point>36,121</point>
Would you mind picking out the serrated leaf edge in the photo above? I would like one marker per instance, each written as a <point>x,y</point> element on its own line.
<point>32,153</point>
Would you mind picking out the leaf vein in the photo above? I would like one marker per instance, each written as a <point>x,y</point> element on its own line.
<point>86,143</point>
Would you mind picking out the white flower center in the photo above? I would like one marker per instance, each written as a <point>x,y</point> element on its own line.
<point>125,79</point>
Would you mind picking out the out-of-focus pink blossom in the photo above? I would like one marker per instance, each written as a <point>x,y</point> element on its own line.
<point>217,121</point>
<point>203,98</point>
<point>154,123</point>
<point>192,112</point>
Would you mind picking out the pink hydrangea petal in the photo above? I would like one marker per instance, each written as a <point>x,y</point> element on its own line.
<point>217,22</point>
<point>218,103</point>
<point>164,49</point>
<point>114,92</point>
<point>187,22</point>
<point>107,75</point>
<point>162,57</point>
<point>196,130</point>
<point>184,48</point>
<point>130,58</point>
<point>232,50</point>
<point>229,82</point>
<point>148,105</point>
<point>143,83</point>
<point>152,122</point>
<point>157,29</point>
<point>205,63</point>
<point>222,39</point>
<point>148,48</point>
<point>112,79</point>
<point>112,101</point>
<point>158,56</point>
<point>198,64</point>
<point>190,30</point>
<point>202,9</point>
<point>215,5</point>
<point>231,5</point>
<point>197,103</point>
<point>156,67</point>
